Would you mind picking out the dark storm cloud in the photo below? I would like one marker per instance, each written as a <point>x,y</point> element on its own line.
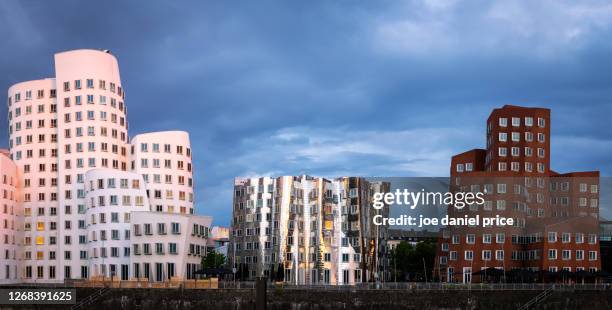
<point>330,88</point>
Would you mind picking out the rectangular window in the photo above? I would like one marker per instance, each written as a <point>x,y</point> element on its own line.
<point>516,136</point>
<point>552,237</point>
<point>470,238</point>
<point>541,122</point>
<point>469,167</point>
<point>459,167</point>
<point>486,238</point>
<point>500,238</point>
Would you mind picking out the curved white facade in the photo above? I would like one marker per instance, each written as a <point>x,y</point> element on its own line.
<point>111,198</point>
<point>168,246</point>
<point>92,133</point>
<point>33,147</point>
<point>11,233</point>
<point>67,132</point>
<point>164,161</point>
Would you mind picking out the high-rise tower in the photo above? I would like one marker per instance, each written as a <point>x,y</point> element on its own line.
<point>555,215</point>
<point>68,138</point>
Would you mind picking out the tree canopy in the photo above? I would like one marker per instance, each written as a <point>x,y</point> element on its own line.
<point>213,260</point>
<point>413,263</point>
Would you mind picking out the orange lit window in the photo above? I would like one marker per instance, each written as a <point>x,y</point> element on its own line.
<point>328,225</point>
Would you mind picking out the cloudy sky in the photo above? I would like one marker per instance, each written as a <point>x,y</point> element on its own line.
<point>386,88</point>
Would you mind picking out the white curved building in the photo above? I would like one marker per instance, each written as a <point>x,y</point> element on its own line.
<point>112,197</point>
<point>11,233</point>
<point>71,129</point>
<point>92,133</point>
<point>33,146</point>
<point>164,161</point>
<point>168,246</point>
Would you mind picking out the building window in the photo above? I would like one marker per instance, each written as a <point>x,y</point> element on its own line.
<point>516,121</point>
<point>176,228</point>
<point>552,237</point>
<point>172,249</point>
<point>459,167</point>
<point>541,122</point>
<point>566,254</point>
<point>500,238</point>
<point>486,238</point>
<point>469,167</point>
<point>516,136</point>
<point>515,166</point>
<point>565,237</point>
<point>455,239</point>
<point>470,238</point>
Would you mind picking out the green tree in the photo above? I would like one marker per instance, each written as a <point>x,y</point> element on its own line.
<point>213,260</point>
<point>413,263</point>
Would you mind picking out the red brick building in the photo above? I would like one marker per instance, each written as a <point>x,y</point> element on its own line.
<point>555,215</point>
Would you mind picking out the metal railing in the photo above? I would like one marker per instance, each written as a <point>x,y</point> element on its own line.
<point>91,298</point>
<point>538,299</point>
<point>420,286</point>
<point>414,286</point>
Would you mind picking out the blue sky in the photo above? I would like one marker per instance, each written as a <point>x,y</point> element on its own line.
<point>329,88</point>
